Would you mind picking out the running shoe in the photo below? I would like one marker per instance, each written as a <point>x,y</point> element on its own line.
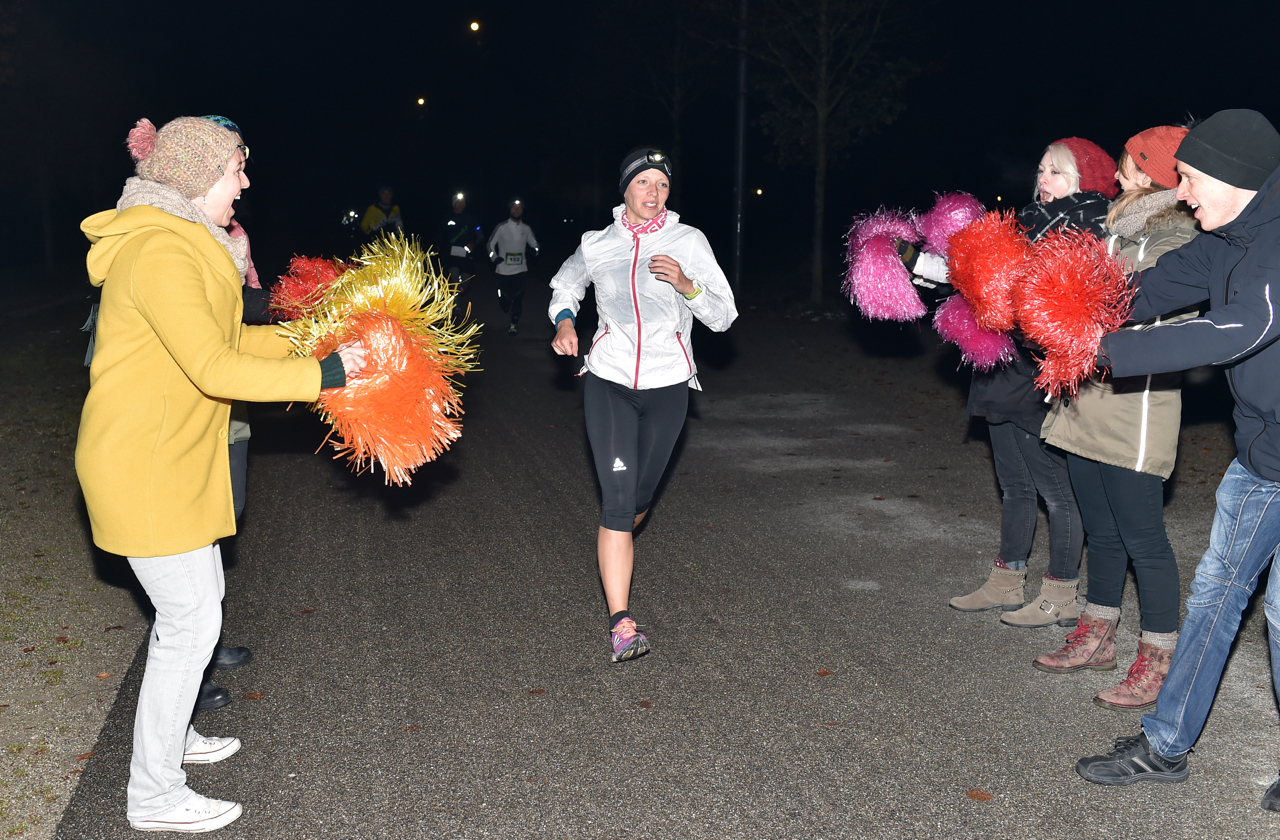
<point>628,642</point>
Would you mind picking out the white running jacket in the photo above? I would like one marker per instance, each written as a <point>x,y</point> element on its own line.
<point>643,337</point>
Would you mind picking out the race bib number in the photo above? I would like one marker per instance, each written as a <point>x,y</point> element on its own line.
<point>515,259</point>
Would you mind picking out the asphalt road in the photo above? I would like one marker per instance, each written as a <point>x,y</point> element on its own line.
<point>432,661</point>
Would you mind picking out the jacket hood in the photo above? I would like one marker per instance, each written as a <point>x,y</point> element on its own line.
<point>110,232</point>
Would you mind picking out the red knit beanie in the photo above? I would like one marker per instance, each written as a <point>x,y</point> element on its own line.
<point>1097,168</point>
<point>1153,150</point>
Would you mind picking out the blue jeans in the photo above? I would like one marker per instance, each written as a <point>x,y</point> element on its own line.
<point>1246,534</point>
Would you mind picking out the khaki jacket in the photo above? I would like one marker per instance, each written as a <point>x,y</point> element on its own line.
<point>1131,421</point>
<point>171,354</point>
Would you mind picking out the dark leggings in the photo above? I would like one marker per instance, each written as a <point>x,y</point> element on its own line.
<point>1123,513</point>
<point>239,453</point>
<point>511,294</point>
<point>632,434</point>
<point>1024,465</point>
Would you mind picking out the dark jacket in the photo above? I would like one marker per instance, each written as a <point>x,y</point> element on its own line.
<point>1237,267</point>
<point>1008,394</point>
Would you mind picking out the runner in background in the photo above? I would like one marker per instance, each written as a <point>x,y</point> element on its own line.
<point>508,249</point>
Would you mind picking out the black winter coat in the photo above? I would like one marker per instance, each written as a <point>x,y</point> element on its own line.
<point>1008,394</point>
<point>1237,267</point>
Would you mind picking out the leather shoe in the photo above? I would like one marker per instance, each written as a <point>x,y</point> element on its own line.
<point>211,697</point>
<point>230,658</point>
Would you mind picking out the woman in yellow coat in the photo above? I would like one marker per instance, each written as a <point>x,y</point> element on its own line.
<point>171,354</point>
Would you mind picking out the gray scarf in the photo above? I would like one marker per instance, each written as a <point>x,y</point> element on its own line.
<point>154,194</point>
<point>1134,221</point>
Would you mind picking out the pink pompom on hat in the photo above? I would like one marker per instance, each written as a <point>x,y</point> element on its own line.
<point>1097,168</point>
<point>187,153</point>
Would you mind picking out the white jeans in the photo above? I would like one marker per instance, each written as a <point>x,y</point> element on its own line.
<point>186,590</point>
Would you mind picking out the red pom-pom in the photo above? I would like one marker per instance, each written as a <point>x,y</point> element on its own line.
<point>400,411</point>
<point>302,287</point>
<point>986,260</point>
<point>142,139</point>
<point>1072,294</point>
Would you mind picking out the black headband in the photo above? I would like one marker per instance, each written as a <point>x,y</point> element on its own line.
<point>640,160</point>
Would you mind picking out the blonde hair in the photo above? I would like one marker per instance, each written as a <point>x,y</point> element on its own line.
<point>1065,162</point>
<point>1126,164</point>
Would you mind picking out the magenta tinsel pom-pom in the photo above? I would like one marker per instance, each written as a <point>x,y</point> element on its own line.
<point>1071,295</point>
<point>142,139</point>
<point>981,348</point>
<point>951,212</point>
<point>877,281</point>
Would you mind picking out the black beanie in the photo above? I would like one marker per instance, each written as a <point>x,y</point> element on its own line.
<point>637,162</point>
<point>1238,147</point>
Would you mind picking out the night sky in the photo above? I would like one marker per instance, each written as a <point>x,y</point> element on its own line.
<point>547,97</point>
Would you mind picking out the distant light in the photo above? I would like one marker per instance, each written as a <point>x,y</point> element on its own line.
<point>759,192</point>
<point>421,101</point>
<point>998,198</point>
<point>459,197</point>
<point>475,27</point>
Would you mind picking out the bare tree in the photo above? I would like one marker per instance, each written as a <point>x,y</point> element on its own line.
<point>831,78</point>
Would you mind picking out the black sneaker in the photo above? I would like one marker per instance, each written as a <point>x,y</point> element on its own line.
<point>1131,760</point>
<point>1271,799</point>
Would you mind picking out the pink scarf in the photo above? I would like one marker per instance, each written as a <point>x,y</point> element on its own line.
<point>638,228</point>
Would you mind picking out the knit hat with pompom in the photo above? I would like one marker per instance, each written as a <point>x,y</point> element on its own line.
<point>187,153</point>
<point>1097,168</point>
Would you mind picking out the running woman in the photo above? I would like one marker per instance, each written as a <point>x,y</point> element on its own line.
<point>652,275</point>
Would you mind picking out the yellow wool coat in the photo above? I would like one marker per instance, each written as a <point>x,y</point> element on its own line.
<point>170,355</point>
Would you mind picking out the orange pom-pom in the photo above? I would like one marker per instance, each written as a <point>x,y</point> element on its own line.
<point>302,287</point>
<point>986,261</point>
<point>1072,294</point>
<point>400,411</point>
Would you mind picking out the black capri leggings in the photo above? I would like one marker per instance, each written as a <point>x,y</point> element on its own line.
<point>632,434</point>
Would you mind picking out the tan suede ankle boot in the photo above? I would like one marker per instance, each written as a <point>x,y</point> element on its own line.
<point>1002,590</point>
<point>1138,691</point>
<point>1056,605</point>
<point>1091,645</point>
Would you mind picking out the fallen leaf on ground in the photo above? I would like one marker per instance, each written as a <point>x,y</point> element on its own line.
<point>77,770</point>
<point>823,672</point>
<point>645,704</point>
<point>979,795</point>
<point>28,650</point>
<point>254,695</point>
<point>103,675</point>
<point>60,639</point>
<point>84,756</point>
<point>878,498</point>
<point>537,691</point>
<point>413,728</point>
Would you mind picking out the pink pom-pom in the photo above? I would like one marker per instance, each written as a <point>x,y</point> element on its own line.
<point>142,139</point>
<point>877,282</point>
<point>984,349</point>
<point>987,260</point>
<point>1072,294</point>
<point>952,212</point>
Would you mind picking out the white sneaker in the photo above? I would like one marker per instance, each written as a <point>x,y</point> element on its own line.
<point>211,750</point>
<point>198,813</point>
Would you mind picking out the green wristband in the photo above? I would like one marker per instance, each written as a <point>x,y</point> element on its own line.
<point>696,291</point>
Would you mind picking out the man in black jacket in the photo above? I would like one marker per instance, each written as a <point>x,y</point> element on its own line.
<point>1228,168</point>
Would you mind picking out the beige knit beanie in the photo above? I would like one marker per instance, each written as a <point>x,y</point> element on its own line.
<point>188,153</point>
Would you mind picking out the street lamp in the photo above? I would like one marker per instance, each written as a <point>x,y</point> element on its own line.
<point>475,26</point>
